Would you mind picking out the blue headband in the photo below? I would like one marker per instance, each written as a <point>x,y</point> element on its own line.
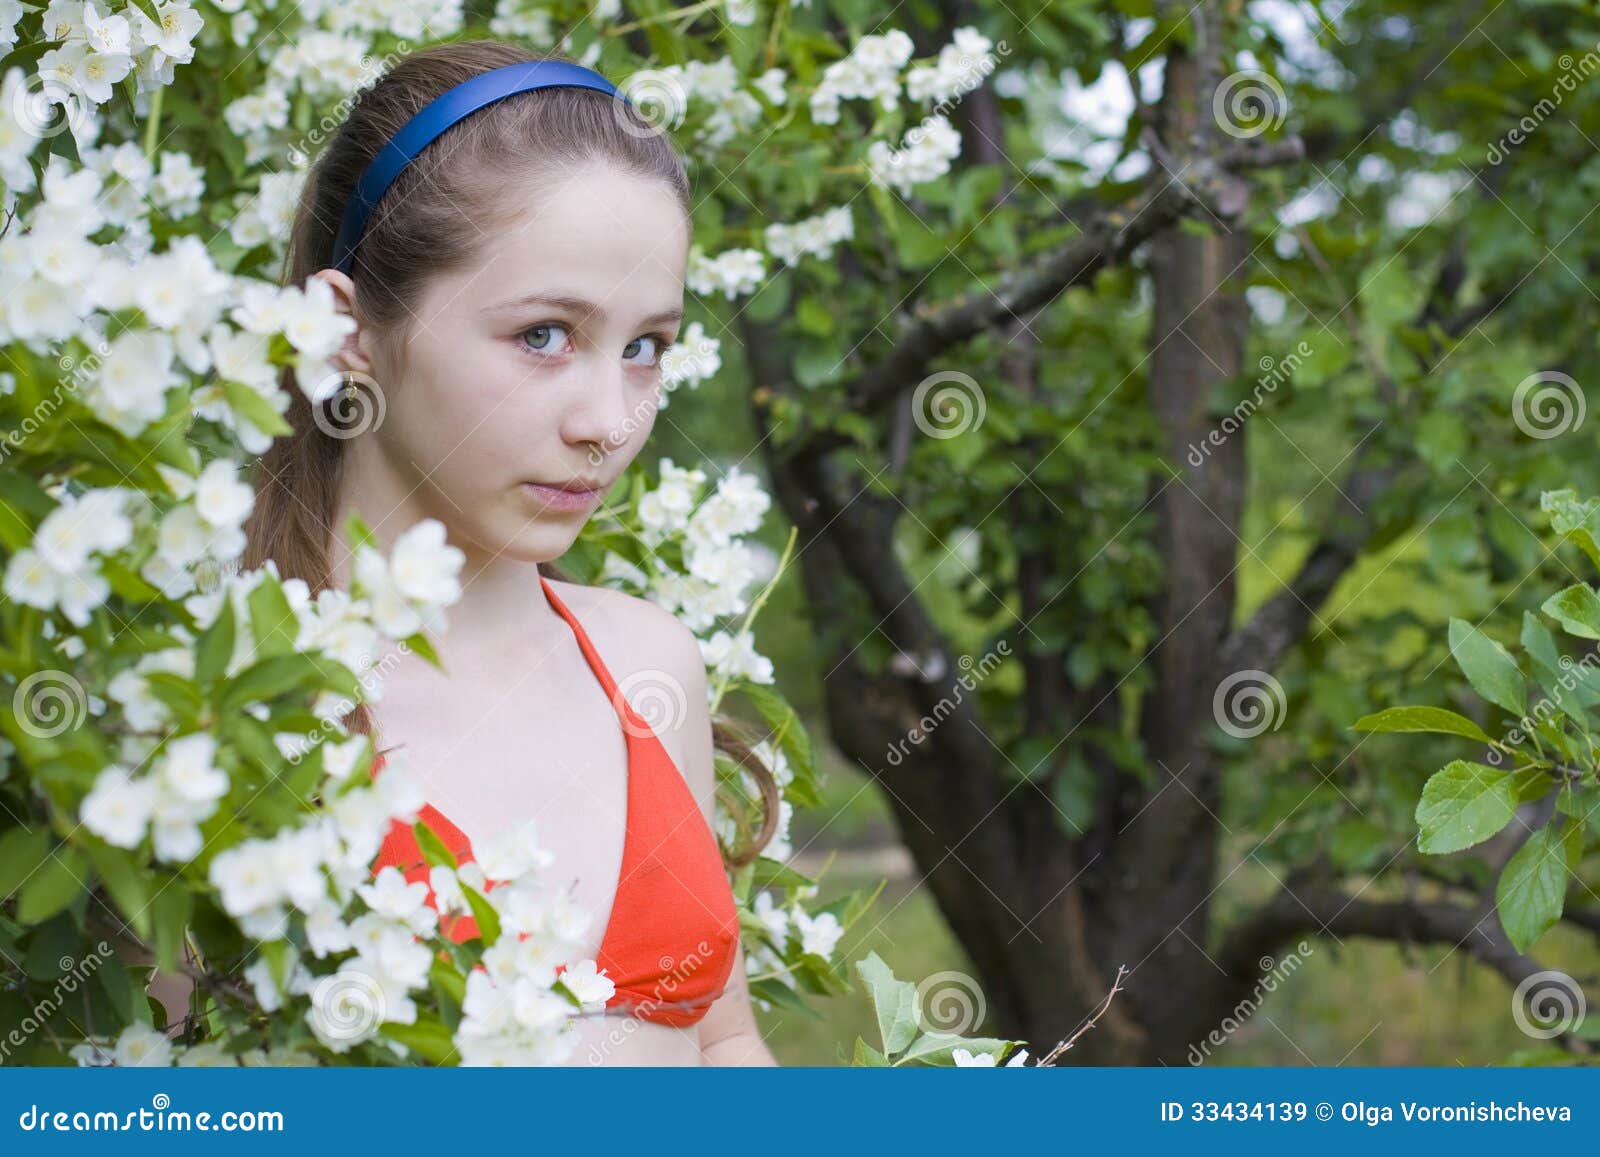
<point>442,112</point>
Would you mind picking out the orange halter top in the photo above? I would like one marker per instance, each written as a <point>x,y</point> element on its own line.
<point>670,941</point>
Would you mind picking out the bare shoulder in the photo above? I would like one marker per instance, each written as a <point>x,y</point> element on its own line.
<point>633,634</point>
<point>658,666</point>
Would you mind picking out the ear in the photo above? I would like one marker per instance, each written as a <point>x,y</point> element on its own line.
<point>352,355</point>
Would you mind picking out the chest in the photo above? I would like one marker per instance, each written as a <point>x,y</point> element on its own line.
<point>543,743</point>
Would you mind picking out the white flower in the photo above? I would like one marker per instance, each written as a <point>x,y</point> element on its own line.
<point>392,895</point>
<point>94,523</point>
<point>220,497</point>
<point>188,770</point>
<point>924,155</point>
<point>818,934</point>
<point>967,1060</point>
<point>141,1045</point>
<point>424,567</point>
<point>591,987</point>
<point>118,807</point>
<point>244,878</point>
<point>173,36</point>
<point>732,273</point>
<point>105,34</point>
<point>259,974</point>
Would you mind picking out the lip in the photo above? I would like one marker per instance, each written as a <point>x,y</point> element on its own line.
<point>578,494</point>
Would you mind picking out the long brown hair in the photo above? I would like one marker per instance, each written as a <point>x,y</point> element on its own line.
<point>439,216</point>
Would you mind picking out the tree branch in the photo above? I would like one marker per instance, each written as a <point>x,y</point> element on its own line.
<point>1307,909</point>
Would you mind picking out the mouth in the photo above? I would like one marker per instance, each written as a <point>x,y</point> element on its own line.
<point>572,494</point>
<point>571,486</point>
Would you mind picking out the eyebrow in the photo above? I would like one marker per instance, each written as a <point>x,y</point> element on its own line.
<point>578,305</point>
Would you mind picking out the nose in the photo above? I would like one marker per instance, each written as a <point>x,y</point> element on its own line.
<point>598,415</point>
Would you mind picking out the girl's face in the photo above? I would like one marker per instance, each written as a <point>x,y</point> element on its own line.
<point>528,384</point>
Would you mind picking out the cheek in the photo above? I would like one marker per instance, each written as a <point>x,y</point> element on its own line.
<point>462,410</point>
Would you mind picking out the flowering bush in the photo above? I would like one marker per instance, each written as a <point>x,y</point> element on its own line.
<point>176,790</point>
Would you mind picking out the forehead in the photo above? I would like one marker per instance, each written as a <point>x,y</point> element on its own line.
<point>618,239</point>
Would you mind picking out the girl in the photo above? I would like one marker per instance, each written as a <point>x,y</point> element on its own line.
<point>512,291</point>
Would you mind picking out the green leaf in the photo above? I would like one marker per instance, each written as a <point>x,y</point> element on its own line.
<point>273,622</point>
<point>937,1048</point>
<point>483,912</point>
<point>1488,666</point>
<point>62,878</point>
<point>1578,521</point>
<point>1464,804</point>
<point>255,409</point>
<point>124,878</point>
<point>1577,609</point>
<point>869,1057</point>
<point>215,647</point>
<point>428,1038</point>
<point>775,992</point>
<point>1435,719</point>
<point>1533,885</point>
<point>894,1003</point>
<point>21,851</point>
<point>433,848</point>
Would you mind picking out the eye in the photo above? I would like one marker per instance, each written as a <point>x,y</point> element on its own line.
<point>659,344</point>
<point>538,339</point>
